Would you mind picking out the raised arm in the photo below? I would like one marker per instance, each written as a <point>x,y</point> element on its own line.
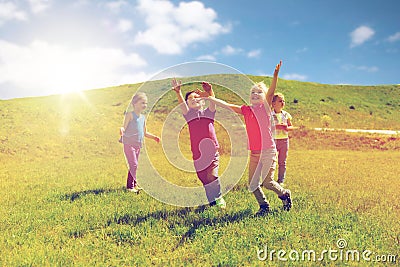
<point>176,86</point>
<point>207,87</point>
<point>221,103</point>
<point>272,87</point>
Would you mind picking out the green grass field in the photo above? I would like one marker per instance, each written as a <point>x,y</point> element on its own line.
<point>63,201</point>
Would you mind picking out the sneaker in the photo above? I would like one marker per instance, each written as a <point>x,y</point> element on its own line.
<point>280,182</point>
<point>134,190</point>
<point>220,202</point>
<point>286,200</point>
<point>138,188</point>
<point>264,210</point>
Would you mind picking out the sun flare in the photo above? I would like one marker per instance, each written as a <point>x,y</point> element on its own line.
<point>68,74</point>
<point>58,69</point>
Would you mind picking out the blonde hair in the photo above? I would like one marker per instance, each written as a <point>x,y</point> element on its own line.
<point>260,85</point>
<point>280,95</point>
<point>137,97</point>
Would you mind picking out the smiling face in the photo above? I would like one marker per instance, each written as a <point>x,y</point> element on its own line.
<point>278,102</point>
<point>257,95</point>
<point>194,101</point>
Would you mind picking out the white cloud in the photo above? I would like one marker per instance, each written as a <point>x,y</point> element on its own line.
<point>116,6</point>
<point>230,50</point>
<point>9,11</point>
<point>349,67</point>
<point>124,25</point>
<point>207,58</point>
<point>368,69</point>
<point>80,3</point>
<point>254,53</point>
<point>395,37</point>
<point>38,6</point>
<point>294,76</point>
<point>361,35</point>
<point>134,77</point>
<point>171,28</point>
<point>42,68</point>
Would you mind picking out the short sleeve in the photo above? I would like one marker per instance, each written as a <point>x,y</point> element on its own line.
<point>245,109</point>
<point>288,116</point>
<point>189,115</point>
<point>209,114</point>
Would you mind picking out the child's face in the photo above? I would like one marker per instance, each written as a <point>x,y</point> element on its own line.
<point>279,103</point>
<point>194,101</point>
<point>140,105</point>
<point>257,96</point>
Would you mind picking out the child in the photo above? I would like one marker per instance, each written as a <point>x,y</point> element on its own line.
<point>132,135</point>
<point>283,123</point>
<point>261,142</point>
<point>203,140</point>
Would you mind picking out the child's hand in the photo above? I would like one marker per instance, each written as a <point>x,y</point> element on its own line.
<point>202,94</point>
<point>208,88</point>
<point>277,68</point>
<point>281,127</point>
<point>176,86</point>
<point>121,131</point>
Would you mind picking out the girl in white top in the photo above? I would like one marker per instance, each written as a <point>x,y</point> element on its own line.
<point>283,123</point>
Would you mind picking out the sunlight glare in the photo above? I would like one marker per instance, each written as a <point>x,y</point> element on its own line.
<point>70,75</point>
<point>62,70</point>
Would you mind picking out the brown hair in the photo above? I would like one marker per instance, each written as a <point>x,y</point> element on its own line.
<point>280,95</point>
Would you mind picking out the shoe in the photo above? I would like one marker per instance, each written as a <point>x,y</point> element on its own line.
<point>264,210</point>
<point>286,200</point>
<point>220,202</point>
<point>134,190</point>
<point>138,188</point>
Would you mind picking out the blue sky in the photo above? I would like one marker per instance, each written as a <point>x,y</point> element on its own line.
<point>51,47</point>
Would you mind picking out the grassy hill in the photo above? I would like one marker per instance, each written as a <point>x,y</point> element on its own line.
<point>62,176</point>
<point>63,123</point>
<point>348,106</point>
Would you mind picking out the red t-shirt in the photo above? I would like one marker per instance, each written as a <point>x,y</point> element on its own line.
<point>201,128</point>
<point>258,127</point>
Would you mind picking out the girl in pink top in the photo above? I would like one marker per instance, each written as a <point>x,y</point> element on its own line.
<point>257,117</point>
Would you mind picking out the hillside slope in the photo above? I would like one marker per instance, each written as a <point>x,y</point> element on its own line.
<point>59,125</point>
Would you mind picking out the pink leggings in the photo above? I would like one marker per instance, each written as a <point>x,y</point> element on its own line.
<point>132,157</point>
